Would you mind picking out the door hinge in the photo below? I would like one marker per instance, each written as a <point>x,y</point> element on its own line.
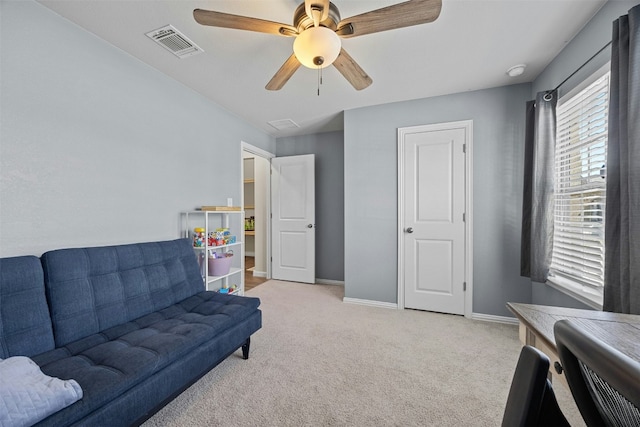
<point>464,286</point>
<point>464,217</point>
<point>464,148</point>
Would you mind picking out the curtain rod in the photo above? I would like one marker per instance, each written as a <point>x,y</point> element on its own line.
<point>575,72</point>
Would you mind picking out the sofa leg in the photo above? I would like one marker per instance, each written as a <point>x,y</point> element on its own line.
<point>245,349</point>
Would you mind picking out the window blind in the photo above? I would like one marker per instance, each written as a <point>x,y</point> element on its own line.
<point>580,191</point>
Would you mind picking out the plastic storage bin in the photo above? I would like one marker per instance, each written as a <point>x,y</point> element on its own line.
<point>220,266</point>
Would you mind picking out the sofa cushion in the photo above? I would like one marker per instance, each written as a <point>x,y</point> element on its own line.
<point>25,326</point>
<point>93,289</point>
<point>108,364</point>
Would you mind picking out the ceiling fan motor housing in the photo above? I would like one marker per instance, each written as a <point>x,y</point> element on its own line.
<point>302,21</point>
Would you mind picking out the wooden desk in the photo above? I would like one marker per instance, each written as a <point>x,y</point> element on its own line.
<point>621,331</point>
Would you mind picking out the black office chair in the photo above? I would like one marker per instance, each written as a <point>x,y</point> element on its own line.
<point>604,382</point>
<point>531,400</point>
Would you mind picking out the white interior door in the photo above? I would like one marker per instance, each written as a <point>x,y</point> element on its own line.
<point>293,218</point>
<point>432,223</point>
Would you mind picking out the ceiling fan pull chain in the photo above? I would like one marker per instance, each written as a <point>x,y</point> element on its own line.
<point>319,79</point>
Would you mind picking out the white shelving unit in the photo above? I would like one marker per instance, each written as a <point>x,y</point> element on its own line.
<point>210,221</point>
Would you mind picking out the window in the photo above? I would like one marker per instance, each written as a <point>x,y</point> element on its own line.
<point>577,263</point>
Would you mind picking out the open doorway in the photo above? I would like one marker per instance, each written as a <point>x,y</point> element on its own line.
<point>256,199</point>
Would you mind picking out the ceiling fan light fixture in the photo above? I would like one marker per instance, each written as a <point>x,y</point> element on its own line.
<point>317,47</point>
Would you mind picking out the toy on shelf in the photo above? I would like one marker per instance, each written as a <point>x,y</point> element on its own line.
<point>199,239</point>
<point>220,237</point>
<point>226,289</point>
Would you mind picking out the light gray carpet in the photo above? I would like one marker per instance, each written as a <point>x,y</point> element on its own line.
<point>320,362</point>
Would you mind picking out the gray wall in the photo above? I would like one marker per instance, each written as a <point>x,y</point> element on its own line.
<point>595,35</point>
<point>370,146</point>
<point>583,46</point>
<point>329,166</point>
<point>498,116</point>
<point>98,148</point>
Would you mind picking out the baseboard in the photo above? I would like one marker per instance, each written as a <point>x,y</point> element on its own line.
<point>370,303</point>
<point>329,282</point>
<point>474,316</point>
<point>495,319</point>
<point>259,273</point>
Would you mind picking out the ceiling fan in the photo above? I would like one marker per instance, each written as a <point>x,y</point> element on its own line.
<point>318,28</point>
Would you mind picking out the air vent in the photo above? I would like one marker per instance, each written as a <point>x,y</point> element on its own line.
<point>284,124</point>
<point>174,41</point>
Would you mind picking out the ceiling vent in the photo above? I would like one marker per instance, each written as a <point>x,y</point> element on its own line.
<point>284,124</point>
<point>174,41</point>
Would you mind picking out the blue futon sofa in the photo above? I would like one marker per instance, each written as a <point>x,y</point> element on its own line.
<point>132,324</point>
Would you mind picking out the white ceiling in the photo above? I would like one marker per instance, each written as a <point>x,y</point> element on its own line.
<point>469,47</point>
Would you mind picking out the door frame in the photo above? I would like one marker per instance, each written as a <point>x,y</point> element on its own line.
<point>467,125</point>
<point>244,146</point>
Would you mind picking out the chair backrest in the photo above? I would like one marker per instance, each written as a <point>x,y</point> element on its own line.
<point>93,289</point>
<point>604,382</point>
<point>531,400</point>
<point>25,324</point>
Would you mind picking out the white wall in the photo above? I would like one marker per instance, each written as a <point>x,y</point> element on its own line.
<point>96,147</point>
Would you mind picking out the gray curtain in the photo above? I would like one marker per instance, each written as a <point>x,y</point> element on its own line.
<point>537,202</point>
<point>622,229</point>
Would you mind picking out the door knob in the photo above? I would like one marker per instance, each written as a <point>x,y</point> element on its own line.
<point>310,226</point>
<point>409,230</point>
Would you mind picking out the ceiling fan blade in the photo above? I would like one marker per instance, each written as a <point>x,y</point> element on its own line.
<point>352,71</point>
<point>319,5</point>
<point>227,20</point>
<point>283,75</point>
<point>406,14</point>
